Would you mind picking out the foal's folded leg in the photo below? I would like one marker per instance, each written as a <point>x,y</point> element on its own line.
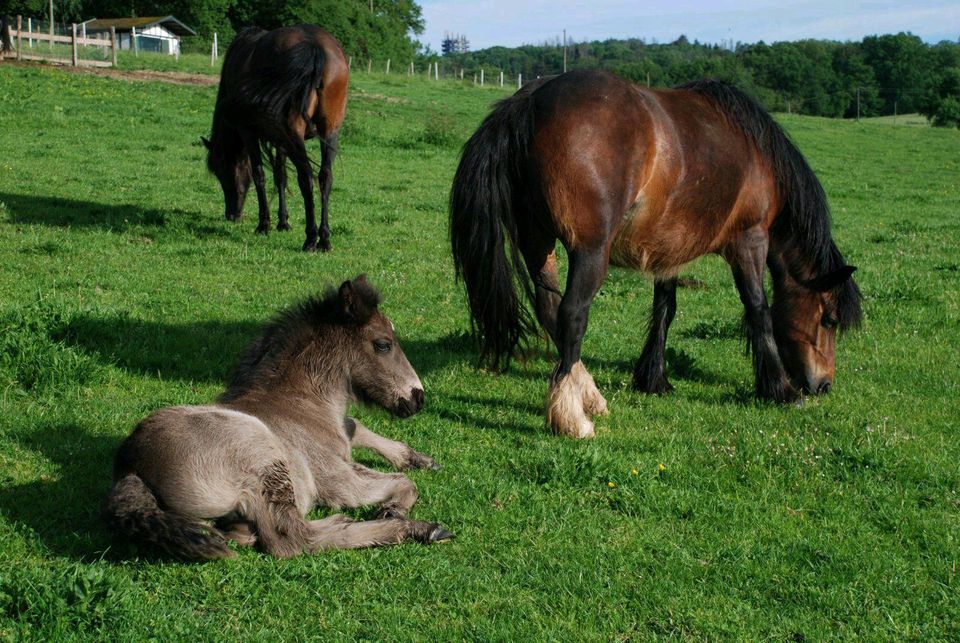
<point>398,454</point>
<point>348,484</point>
<point>344,534</point>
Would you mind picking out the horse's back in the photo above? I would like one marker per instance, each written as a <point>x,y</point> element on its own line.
<point>662,176</point>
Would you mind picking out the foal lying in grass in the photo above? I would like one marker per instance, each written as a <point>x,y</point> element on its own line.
<point>278,443</point>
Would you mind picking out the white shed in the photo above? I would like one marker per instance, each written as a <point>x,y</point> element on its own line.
<point>158,34</point>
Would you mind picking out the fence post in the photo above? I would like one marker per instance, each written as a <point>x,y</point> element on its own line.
<point>113,45</point>
<point>216,47</point>
<point>481,76</point>
<point>349,63</point>
<point>388,66</point>
<point>436,69</point>
<point>411,68</point>
<point>519,81</point>
<point>461,73</point>
<point>73,42</point>
<point>19,37</point>
<point>369,65</point>
<point>30,32</point>
<point>133,41</point>
<point>501,78</point>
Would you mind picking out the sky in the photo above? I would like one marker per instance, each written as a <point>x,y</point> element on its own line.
<point>487,23</point>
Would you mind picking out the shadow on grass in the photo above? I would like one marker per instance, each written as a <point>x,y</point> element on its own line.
<point>62,213</point>
<point>63,512</point>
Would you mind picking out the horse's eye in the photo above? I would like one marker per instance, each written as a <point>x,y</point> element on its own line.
<point>382,346</point>
<point>828,321</point>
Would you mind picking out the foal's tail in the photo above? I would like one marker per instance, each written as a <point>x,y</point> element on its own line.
<point>482,221</point>
<point>131,510</point>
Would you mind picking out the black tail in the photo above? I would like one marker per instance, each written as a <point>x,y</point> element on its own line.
<point>803,224</point>
<point>6,44</point>
<point>130,509</point>
<point>482,223</point>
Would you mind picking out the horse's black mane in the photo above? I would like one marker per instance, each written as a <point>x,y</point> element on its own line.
<point>293,327</point>
<point>802,230</point>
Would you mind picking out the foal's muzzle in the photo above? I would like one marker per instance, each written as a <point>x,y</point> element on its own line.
<point>408,407</point>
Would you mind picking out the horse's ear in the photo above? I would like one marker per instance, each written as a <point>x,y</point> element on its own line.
<point>205,141</point>
<point>829,281</point>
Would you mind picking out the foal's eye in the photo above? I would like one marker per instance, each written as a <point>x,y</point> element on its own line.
<point>828,321</point>
<point>382,346</point>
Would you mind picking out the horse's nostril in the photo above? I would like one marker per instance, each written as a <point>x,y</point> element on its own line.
<point>824,387</point>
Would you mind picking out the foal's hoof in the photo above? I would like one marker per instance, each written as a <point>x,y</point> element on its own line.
<point>439,535</point>
<point>417,460</point>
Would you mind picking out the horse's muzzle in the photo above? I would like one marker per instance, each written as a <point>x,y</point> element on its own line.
<point>408,407</point>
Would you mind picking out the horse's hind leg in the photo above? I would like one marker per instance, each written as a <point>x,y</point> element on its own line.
<point>298,155</point>
<point>572,390</point>
<point>648,374</point>
<point>325,179</point>
<point>280,527</point>
<point>280,180</point>
<point>748,258</point>
<point>345,534</point>
<point>400,455</point>
<point>252,144</point>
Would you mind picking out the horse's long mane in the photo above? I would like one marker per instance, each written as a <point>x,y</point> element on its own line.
<point>802,228</point>
<point>288,333</point>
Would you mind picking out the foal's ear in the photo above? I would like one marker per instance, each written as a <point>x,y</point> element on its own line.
<point>829,281</point>
<point>353,301</point>
<point>205,141</point>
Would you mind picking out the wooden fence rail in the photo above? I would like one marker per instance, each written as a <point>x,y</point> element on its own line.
<point>18,35</point>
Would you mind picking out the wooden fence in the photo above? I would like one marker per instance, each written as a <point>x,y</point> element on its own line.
<point>18,35</point>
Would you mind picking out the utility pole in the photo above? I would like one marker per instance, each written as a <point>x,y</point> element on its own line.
<point>858,104</point>
<point>564,51</point>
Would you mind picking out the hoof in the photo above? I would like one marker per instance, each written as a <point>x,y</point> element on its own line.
<point>283,226</point>
<point>417,460</point>
<point>233,217</point>
<point>565,406</point>
<point>309,246</point>
<point>439,535</point>
<point>324,245</point>
<point>652,386</point>
<point>264,230</point>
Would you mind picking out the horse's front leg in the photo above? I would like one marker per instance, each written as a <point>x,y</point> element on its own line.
<point>280,180</point>
<point>648,374</point>
<point>252,144</point>
<point>325,180</point>
<point>298,155</point>
<point>400,455</point>
<point>747,258</point>
<point>572,390</point>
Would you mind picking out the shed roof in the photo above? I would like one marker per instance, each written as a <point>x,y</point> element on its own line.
<point>125,24</point>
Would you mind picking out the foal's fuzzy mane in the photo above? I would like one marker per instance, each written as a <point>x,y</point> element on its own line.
<point>283,337</point>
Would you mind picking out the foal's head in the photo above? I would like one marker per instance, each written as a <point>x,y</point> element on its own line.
<point>338,346</point>
<point>227,160</point>
<point>378,369</point>
<point>806,317</point>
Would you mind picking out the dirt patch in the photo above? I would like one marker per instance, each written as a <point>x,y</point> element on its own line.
<point>138,75</point>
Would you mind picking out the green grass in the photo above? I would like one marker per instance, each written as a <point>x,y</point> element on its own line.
<point>123,290</point>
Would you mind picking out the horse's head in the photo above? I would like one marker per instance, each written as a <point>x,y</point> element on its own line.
<point>230,165</point>
<point>379,371</point>
<point>806,317</point>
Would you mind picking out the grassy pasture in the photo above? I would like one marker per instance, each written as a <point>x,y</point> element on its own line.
<point>699,515</point>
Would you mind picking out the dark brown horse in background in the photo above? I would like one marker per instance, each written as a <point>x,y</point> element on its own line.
<point>277,89</point>
<point>648,179</point>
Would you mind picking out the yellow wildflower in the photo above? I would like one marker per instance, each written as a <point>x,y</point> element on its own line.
<point>633,472</point>
<point>611,484</point>
<point>662,467</point>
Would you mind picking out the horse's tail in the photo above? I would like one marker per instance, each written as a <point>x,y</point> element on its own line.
<point>6,44</point>
<point>482,222</point>
<point>804,218</point>
<point>131,510</point>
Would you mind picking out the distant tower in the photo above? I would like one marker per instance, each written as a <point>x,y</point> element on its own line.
<point>454,44</point>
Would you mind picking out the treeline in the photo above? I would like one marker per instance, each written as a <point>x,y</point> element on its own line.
<point>890,74</point>
<point>378,29</point>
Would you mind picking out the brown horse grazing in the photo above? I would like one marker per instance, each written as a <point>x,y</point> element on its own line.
<point>278,443</point>
<point>277,89</point>
<point>649,179</point>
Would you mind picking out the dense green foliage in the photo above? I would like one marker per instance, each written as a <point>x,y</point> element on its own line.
<point>122,289</point>
<point>892,73</point>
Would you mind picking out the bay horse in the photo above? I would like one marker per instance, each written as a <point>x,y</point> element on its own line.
<point>278,443</point>
<point>277,90</point>
<point>647,179</point>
